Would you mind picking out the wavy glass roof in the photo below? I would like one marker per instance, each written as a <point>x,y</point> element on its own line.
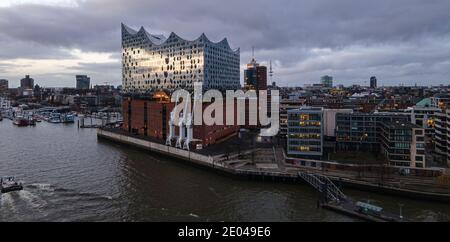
<point>161,39</point>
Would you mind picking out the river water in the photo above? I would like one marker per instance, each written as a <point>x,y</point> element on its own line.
<point>69,175</point>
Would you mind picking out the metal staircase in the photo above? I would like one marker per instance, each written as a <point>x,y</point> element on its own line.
<point>324,185</point>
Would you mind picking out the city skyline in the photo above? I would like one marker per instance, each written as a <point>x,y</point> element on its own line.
<point>61,39</point>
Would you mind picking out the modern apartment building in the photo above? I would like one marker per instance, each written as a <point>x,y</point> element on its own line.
<point>442,136</point>
<point>423,115</point>
<point>442,129</point>
<point>403,144</point>
<point>305,132</point>
<point>285,106</point>
<point>359,131</point>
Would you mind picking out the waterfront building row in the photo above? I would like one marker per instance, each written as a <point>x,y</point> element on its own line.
<point>392,134</point>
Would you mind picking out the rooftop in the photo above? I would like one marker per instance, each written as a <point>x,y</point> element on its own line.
<point>306,109</point>
<point>398,125</point>
<point>426,102</point>
<point>161,39</point>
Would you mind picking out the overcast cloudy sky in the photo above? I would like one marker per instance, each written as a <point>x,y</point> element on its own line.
<point>399,41</point>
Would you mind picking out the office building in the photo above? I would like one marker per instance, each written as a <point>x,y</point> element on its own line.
<point>329,120</point>
<point>326,81</point>
<point>359,131</point>
<point>285,106</point>
<point>3,86</point>
<point>373,82</point>
<point>423,115</point>
<point>27,83</point>
<point>255,76</point>
<point>403,144</point>
<point>441,137</point>
<point>305,132</point>
<point>153,62</point>
<point>83,82</point>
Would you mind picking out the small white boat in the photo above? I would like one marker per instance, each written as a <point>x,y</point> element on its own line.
<point>55,118</point>
<point>67,118</point>
<point>9,184</point>
<point>20,121</point>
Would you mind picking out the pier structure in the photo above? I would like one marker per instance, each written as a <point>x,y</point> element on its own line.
<point>324,185</point>
<point>332,198</point>
<point>109,119</point>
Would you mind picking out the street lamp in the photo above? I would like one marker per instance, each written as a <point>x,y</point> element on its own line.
<point>363,137</point>
<point>401,214</point>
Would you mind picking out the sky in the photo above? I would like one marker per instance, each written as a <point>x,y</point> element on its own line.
<point>400,42</point>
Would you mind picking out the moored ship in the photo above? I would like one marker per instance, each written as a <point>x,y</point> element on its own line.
<point>67,118</point>
<point>20,121</point>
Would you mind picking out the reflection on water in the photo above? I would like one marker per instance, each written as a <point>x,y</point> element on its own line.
<point>71,176</point>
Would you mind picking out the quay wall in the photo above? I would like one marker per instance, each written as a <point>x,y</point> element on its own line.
<point>215,164</point>
<point>204,160</point>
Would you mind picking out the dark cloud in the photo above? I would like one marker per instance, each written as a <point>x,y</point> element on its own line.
<point>399,41</point>
<point>96,67</point>
<point>12,48</point>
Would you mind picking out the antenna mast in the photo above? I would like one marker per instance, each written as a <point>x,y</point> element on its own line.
<point>253,52</point>
<point>270,72</point>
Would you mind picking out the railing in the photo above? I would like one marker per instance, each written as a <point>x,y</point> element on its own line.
<point>274,155</point>
<point>324,185</point>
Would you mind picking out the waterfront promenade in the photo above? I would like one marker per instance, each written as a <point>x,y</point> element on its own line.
<point>269,163</point>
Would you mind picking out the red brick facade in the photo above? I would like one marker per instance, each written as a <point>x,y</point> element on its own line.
<point>156,124</point>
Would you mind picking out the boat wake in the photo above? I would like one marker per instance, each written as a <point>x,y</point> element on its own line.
<point>32,199</point>
<point>7,203</point>
<point>42,186</point>
<point>44,202</point>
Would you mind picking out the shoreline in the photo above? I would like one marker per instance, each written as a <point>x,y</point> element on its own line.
<point>214,163</point>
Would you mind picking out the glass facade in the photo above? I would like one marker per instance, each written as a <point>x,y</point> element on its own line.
<point>360,131</point>
<point>305,132</point>
<point>327,81</point>
<point>154,62</point>
<point>83,82</point>
<point>3,85</point>
<point>403,144</point>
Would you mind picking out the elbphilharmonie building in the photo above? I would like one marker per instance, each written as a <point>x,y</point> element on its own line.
<point>153,62</point>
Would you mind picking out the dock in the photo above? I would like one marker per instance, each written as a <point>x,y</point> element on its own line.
<point>108,120</point>
<point>349,211</point>
<point>332,198</point>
